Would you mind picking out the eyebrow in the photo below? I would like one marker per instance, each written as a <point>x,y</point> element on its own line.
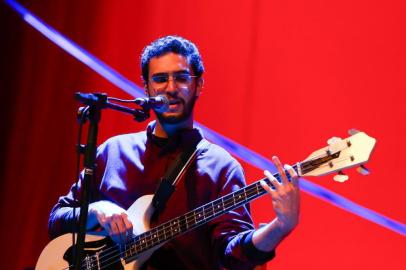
<point>184,71</point>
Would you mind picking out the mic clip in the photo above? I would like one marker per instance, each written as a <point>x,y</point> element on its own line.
<point>142,114</point>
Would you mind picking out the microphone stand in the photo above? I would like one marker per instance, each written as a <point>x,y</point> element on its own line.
<point>92,112</point>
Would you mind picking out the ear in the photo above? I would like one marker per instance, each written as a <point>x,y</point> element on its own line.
<point>146,89</point>
<point>199,86</point>
<point>145,84</point>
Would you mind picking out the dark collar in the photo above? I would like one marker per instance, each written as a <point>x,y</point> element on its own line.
<point>181,140</point>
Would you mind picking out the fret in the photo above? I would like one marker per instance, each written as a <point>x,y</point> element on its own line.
<point>146,240</point>
<point>164,231</point>
<point>190,219</point>
<point>194,217</point>
<point>217,207</point>
<point>199,215</point>
<point>143,242</point>
<point>138,244</point>
<point>154,236</point>
<point>239,196</point>
<point>175,226</point>
<point>255,191</point>
<point>127,251</point>
<point>229,201</point>
<point>208,209</point>
<point>183,223</point>
<point>170,230</point>
<point>133,249</point>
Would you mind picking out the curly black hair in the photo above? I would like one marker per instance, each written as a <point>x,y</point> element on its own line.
<point>174,44</point>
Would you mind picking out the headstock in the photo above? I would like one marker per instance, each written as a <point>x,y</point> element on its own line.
<point>340,154</point>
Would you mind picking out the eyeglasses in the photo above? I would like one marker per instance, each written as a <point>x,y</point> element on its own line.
<point>182,80</point>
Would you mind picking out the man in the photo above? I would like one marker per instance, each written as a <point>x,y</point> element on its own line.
<point>130,166</point>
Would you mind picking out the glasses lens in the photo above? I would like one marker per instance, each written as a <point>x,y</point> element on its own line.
<point>182,79</point>
<point>160,78</point>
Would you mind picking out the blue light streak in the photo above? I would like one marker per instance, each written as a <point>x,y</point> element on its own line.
<point>234,148</point>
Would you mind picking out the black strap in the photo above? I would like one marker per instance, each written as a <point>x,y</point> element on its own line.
<point>174,173</point>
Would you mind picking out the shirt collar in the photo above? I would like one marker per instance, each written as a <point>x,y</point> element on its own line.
<point>184,138</point>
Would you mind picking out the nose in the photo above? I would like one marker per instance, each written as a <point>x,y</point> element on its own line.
<point>171,86</point>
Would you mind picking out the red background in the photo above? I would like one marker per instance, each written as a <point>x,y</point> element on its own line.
<point>282,77</point>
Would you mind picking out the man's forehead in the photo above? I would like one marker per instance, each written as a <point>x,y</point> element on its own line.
<point>169,62</point>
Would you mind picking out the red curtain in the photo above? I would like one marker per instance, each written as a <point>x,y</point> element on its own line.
<point>282,77</point>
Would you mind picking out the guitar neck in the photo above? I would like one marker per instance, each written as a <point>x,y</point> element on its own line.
<point>197,217</point>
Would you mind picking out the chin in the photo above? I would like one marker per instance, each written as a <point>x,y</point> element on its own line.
<point>170,118</point>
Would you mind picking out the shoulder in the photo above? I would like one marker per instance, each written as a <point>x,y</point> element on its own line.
<point>122,143</point>
<point>215,156</point>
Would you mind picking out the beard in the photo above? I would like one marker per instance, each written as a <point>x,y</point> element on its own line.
<point>175,119</point>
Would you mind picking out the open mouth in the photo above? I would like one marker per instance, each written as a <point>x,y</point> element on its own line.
<point>174,102</point>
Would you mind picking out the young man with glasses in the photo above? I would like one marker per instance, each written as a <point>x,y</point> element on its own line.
<point>130,166</point>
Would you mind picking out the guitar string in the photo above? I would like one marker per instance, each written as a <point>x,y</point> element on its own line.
<point>196,214</point>
<point>212,215</point>
<point>117,257</point>
<point>188,223</point>
<point>190,219</point>
<point>169,224</point>
<point>170,227</point>
<point>187,220</point>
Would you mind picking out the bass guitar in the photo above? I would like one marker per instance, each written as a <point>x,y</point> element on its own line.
<point>101,252</point>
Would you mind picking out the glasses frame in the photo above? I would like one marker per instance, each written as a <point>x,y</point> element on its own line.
<point>171,76</point>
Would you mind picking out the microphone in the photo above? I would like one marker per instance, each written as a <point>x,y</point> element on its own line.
<point>159,103</point>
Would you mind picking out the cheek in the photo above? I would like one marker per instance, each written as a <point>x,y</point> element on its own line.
<point>187,95</point>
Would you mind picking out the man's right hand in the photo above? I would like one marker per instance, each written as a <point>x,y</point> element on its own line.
<point>112,218</point>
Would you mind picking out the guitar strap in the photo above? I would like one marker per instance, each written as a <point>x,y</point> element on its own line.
<point>175,173</point>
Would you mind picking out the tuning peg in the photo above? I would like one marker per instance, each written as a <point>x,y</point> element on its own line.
<point>341,177</point>
<point>363,170</point>
<point>353,131</point>
<point>333,140</point>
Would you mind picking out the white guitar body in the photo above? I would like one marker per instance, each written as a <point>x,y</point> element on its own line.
<point>139,213</point>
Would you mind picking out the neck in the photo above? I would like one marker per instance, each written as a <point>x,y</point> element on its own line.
<point>165,130</point>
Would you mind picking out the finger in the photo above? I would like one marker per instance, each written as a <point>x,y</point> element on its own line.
<point>121,227</point>
<point>292,173</point>
<point>101,218</point>
<point>115,233</point>
<point>274,182</point>
<point>128,225</point>
<point>282,174</point>
<point>267,187</point>
<point>113,230</point>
